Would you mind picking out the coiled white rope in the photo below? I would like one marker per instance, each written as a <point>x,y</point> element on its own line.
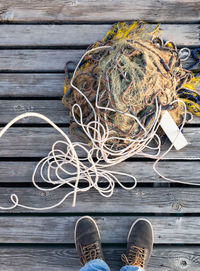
<point>59,162</point>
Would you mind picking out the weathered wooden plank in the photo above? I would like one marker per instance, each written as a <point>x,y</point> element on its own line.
<point>70,11</point>
<point>41,60</point>
<point>83,35</point>
<point>140,200</point>
<point>31,85</point>
<point>9,171</point>
<point>196,120</point>
<point>55,110</point>
<point>65,258</point>
<point>42,85</point>
<point>37,142</point>
<point>37,60</point>
<point>60,229</point>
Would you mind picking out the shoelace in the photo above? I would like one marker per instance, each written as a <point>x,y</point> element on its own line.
<point>135,256</point>
<point>90,252</point>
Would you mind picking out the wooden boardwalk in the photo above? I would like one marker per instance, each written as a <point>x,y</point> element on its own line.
<point>37,38</point>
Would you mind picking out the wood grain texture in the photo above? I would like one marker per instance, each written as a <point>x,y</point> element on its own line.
<point>21,171</point>
<point>60,229</point>
<point>83,35</point>
<point>43,85</point>
<point>84,10</point>
<point>37,60</point>
<point>40,85</point>
<point>43,240</point>
<point>64,258</point>
<point>54,109</point>
<point>41,60</point>
<point>157,200</point>
<point>37,142</point>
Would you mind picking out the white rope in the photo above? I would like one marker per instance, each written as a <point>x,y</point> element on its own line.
<point>58,163</point>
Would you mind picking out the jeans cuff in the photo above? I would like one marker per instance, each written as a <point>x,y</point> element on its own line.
<point>95,265</point>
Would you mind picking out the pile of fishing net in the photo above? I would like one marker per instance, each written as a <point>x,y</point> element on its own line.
<point>121,87</point>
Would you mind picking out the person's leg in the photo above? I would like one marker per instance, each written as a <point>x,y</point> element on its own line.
<point>88,245</point>
<point>139,246</point>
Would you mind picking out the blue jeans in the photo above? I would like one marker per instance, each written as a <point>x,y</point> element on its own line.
<point>99,265</point>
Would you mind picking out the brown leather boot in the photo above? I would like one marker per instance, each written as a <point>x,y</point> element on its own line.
<point>87,240</point>
<point>139,244</point>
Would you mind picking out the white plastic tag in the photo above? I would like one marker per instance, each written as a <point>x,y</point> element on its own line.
<point>172,131</point>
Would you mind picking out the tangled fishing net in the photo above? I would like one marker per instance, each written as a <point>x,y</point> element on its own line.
<point>117,96</point>
<point>121,88</point>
